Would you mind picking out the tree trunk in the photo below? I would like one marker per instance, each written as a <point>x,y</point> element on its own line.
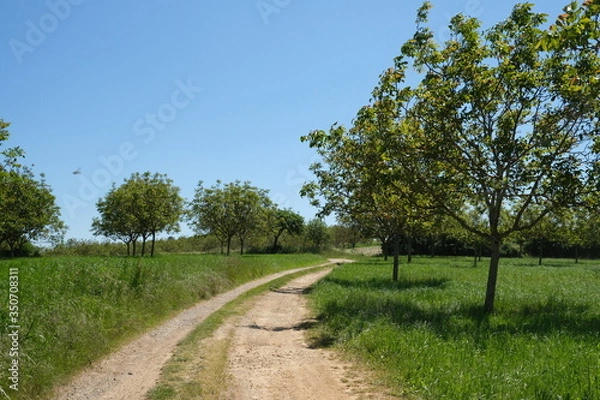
<point>577,255</point>
<point>143,246</point>
<point>396,245</point>
<point>274,248</point>
<point>134,247</point>
<point>228,245</point>
<point>490,295</point>
<point>432,247</point>
<point>409,248</point>
<point>541,253</point>
<point>128,249</point>
<point>241,246</point>
<point>153,241</point>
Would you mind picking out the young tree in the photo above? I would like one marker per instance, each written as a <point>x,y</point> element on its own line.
<point>491,126</point>
<point>233,209</point>
<point>28,208</point>
<point>355,180</point>
<point>116,220</point>
<point>144,205</point>
<point>279,221</point>
<point>316,233</point>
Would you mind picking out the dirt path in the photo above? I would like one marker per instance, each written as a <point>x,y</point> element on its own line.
<point>131,371</point>
<point>269,359</point>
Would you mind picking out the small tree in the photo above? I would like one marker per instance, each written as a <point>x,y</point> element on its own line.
<point>28,208</point>
<point>316,234</point>
<point>233,209</point>
<point>143,206</point>
<point>278,221</point>
<point>116,221</point>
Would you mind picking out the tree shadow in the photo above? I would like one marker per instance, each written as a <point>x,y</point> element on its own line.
<point>543,317</point>
<point>388,284</point>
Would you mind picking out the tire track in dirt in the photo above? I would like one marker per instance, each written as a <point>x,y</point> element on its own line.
<point>134,369</point>
<point>268,357</point>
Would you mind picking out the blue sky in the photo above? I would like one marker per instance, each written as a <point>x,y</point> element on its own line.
<point>198,90</point>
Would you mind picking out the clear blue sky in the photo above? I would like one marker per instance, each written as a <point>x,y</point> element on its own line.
<point>198,90</point>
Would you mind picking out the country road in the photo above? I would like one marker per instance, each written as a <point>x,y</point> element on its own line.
<point>135,368</point>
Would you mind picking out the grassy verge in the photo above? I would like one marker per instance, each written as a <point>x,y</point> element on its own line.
<point>73,310</point>
<point>427,333</point>
<point>197,370</point>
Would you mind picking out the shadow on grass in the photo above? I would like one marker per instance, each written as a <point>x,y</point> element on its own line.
<point>388,284</point>
<point>541,318</point>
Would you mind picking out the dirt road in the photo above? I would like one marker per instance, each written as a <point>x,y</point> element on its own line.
<point>269,358</point>
<point>131,371</point>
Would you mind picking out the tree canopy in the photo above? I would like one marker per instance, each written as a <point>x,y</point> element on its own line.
<point>229,210</point>
<point>144,205</point>
<point>28,208</point>
<point>502,123</point>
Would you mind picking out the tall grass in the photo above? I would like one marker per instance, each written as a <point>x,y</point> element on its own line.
<point>73,310</point>
<point>429,337</point>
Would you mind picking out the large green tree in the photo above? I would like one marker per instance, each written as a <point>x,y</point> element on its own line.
<point>497,122</point>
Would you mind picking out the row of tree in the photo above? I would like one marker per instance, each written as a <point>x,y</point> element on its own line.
<point>147,204</point>
<point>499,133</point>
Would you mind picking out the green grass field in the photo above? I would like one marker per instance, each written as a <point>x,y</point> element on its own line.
<point>73,310</point>
<point>429,338</point>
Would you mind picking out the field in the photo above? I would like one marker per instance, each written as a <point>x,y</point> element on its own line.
<point>73,310</point>
<point>429,339</point>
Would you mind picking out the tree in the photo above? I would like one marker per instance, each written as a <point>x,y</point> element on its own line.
<point>279,221</point>
<point>233,209</point>
<point>316,233</point>
<point>491,126</point>
<point>345,234</point>
<point>28,208</point>
<point>27,205</point>
<point>144,205</point>
<point>356,183</point>
<point>116,221</point>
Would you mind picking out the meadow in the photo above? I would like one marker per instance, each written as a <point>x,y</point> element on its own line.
<point>73,310</point>
<point>429,339</point>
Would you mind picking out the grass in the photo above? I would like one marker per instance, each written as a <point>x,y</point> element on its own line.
<point>73,310</point>
<point>197,370</point>
<point>428,335</point>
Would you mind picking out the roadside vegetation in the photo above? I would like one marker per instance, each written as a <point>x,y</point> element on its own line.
<point>430,339</point>
<point>74,310</point>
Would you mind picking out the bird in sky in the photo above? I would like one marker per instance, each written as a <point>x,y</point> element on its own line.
<point>77,171</point>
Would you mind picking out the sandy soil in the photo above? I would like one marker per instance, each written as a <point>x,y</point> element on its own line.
<point>134,369</point>
<point>270,359</point>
